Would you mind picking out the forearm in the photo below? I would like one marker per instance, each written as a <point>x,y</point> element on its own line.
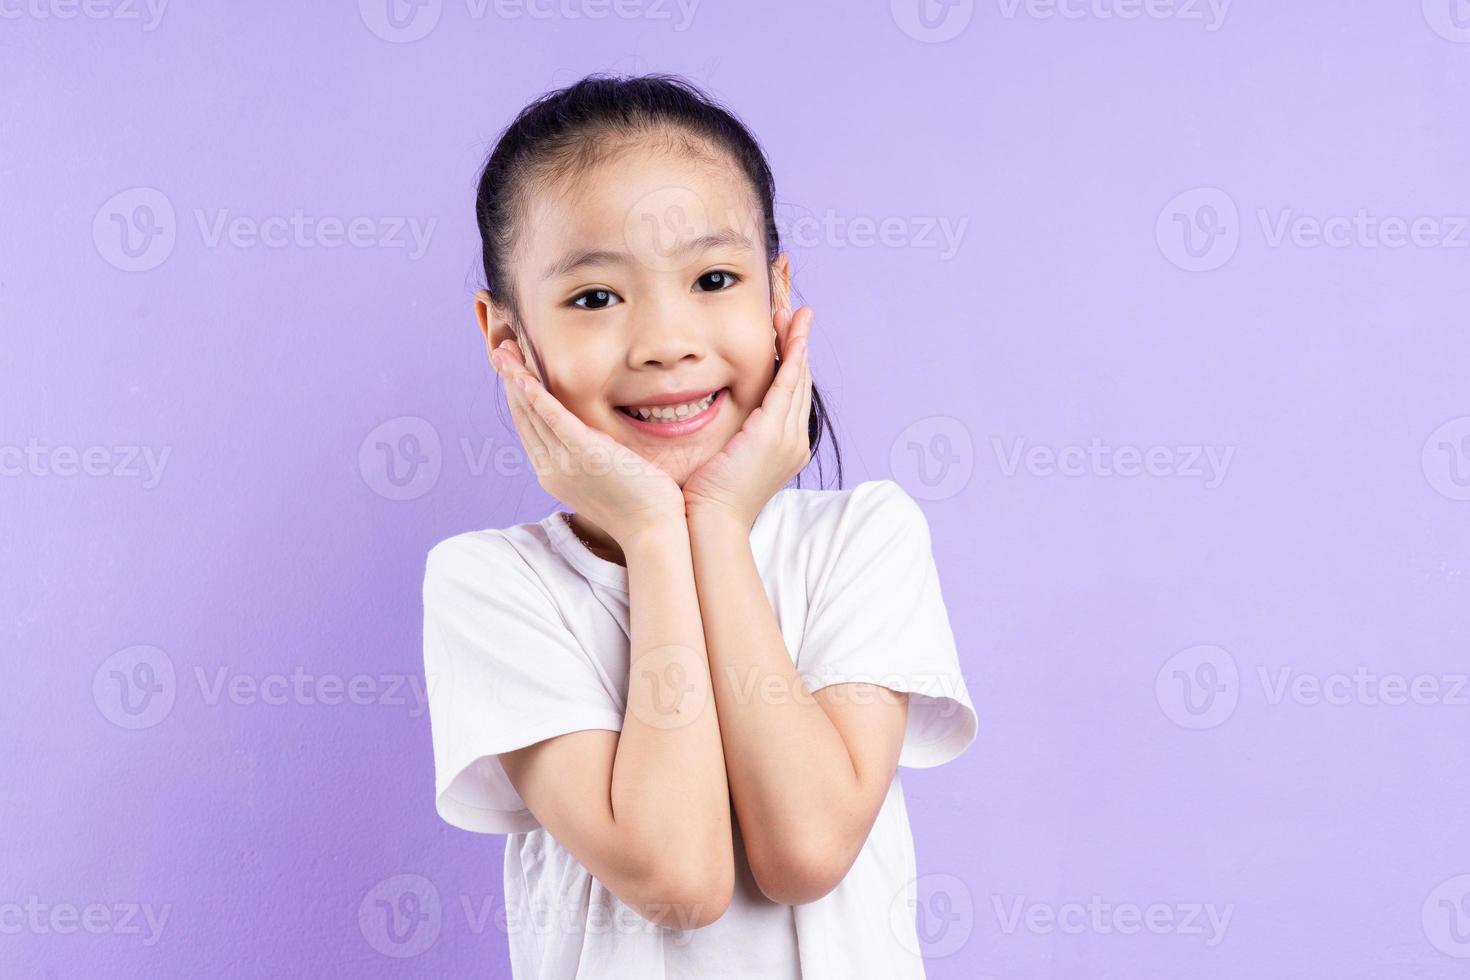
<point>791,776</point>
<point>669,777</point>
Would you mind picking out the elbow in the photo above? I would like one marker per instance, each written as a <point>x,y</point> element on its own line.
<point>799,875</point>
<point>679,899</point>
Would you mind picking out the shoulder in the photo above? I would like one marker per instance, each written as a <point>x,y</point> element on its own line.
<point>820,528</point>
<point>498,556</point>
<point>466,550</point>
<point>869,506</point>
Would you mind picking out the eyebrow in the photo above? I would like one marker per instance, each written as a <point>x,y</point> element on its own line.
<point>573,261</point>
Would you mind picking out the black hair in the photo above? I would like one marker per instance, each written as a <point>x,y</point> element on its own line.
<point>564,132</point>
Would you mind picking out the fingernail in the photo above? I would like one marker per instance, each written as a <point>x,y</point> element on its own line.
<point>524,380</point>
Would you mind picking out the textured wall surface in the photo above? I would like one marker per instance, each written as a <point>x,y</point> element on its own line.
<point>1158,307</point>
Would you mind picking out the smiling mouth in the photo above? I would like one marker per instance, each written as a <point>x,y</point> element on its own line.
<point>667,414</point>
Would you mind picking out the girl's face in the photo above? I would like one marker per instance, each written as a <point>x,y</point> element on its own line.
<point>647,279</point>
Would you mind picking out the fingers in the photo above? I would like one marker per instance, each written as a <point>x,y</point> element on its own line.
<point>533,399</point>
<point>534,433</point>
<point>802,398</point>
<point>796,331</point>
<point>782,322</point>
<point>783,398</point>
<point>792,356</point>
<point>559,428</point>
<point>537,441</point>
<point>540,406</point>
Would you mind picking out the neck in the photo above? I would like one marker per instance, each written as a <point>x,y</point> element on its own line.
<point>598,541</point>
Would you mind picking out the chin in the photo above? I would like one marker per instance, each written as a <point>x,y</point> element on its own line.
<point>679,462</point>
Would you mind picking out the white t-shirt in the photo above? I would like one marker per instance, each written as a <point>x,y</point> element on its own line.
<point>526,637</point>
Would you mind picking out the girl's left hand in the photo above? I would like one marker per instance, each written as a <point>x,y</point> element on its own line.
<point>772,446</point>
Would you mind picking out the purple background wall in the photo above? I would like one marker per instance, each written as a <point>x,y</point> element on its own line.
<point>1222,699</point>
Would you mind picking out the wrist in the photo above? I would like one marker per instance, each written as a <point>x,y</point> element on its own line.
<point>669,535</point>
<point>713,519</point>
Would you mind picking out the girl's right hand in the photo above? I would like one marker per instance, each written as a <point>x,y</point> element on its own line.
<point>588,470</point>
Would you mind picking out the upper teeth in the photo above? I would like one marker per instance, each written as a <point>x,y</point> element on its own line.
<point>669,413</point>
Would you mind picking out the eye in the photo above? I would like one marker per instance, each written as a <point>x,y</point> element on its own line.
<point>600,299</point>
<point>729,277</point>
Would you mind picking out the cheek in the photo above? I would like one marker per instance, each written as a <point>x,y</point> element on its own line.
<point>749,340</point>
<point>578,383</point>
<point>750,345</point>
<point>753,366</point>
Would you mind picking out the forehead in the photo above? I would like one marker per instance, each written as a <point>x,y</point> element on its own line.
<point>639,192</point>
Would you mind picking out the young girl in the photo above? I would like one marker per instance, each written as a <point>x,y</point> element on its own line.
<point>684,697</point>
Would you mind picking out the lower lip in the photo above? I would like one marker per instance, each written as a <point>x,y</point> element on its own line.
<point>683,427</point>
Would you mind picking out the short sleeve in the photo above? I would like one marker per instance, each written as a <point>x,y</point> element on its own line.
<point>503,671</point>
<point>876,614</point>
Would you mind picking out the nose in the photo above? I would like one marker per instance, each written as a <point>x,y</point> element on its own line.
<point>666,334</point>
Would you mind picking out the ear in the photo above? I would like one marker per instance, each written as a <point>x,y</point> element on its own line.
<point>495,324</point>
<point>781,283</point>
